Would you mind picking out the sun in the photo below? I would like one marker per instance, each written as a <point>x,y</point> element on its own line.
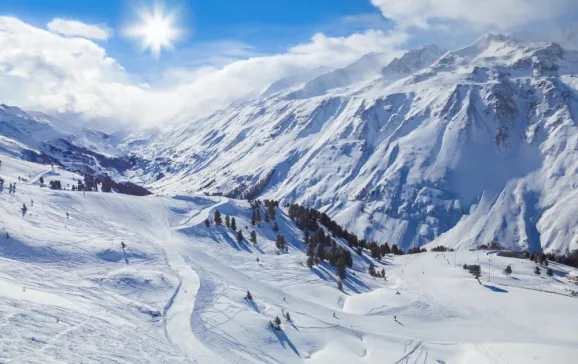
<point>156,29</point>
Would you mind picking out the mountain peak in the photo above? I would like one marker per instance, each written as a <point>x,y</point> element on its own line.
<point>412,61</point>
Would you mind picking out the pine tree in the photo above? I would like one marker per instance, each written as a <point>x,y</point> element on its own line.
<point>465,266</point>
<point>278,321</point>
<point>311,249</point>
<point>254,217</point>
<point>385,249</point>
<point>253,237</point>
<point>549,272</point>
<point>371,269</point>
<point>508,270</point>
<point>239,236</point>
<point>207,223</point>
<point>280,242</point>
<point>320,252</point>
<point>288,317</point>
<point>41,179</point>
<point>271,210</point>
<point>233,224</point>
<point>476,271</point>
<point>340,268</point>
<point>227,221</point>
<point>218,220</point>
<point>275,227</point>
<point>537,271</point>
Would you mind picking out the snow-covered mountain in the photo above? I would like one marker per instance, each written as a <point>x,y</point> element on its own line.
<point>411,62</point>
<point>364,69</point>
<point>478,146</point>
<point>39,137</point>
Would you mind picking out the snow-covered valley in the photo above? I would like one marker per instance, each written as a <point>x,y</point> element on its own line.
<point>70,292</point>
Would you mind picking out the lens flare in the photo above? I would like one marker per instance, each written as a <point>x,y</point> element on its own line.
<point>156,29</point>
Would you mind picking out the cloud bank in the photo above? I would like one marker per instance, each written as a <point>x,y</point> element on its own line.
<point>45,70</point>
<point>495,14</point>
<point>74,28</point>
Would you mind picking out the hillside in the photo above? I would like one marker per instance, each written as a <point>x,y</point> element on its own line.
<point>175,293</point>
<point>462,148</point>
<point>38,137</point>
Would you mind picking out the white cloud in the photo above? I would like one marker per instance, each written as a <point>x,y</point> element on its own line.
<point>74,28</point>
<point>500,14</point>
<point>44,70</point>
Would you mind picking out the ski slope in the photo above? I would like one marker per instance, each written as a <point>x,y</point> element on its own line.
<point>69,292</point>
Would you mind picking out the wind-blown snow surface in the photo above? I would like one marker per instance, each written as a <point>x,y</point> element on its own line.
<point>70,294</point>
<point>476,146</point>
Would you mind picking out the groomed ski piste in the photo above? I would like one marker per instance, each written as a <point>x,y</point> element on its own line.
<point>69,292</point>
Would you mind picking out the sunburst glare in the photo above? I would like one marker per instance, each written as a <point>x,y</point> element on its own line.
<point>156,29</point>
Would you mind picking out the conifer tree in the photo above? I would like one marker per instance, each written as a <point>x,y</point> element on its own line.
<point>340,268</point>
<point>207,223</point>
<point>371,269</point>
<point>280,242</point>
<point>537,271</point>
<point>320,252</point>
<point>311,249</point>
<point>549,272</point>
<point>476,271</point>
<point>218,220</point>
<point>233,224</point>
<point>253,237</point>
<point>239,236</point>
<point>227,221</point>
<point>508,270</point>
<point>271,210</point>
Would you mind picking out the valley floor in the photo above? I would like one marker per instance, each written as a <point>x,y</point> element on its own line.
<point>70,293</point>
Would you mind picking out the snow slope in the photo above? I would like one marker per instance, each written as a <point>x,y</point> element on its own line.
<point>39,137</point>
<point>69,292</point>
<point>469,147</point>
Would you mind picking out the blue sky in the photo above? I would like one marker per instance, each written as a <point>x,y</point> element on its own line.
<point>73,56</point>
<point>261,26</point>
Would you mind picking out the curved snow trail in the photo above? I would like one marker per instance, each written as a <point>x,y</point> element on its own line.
<point>37,177</point>
<point>180,307</point>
